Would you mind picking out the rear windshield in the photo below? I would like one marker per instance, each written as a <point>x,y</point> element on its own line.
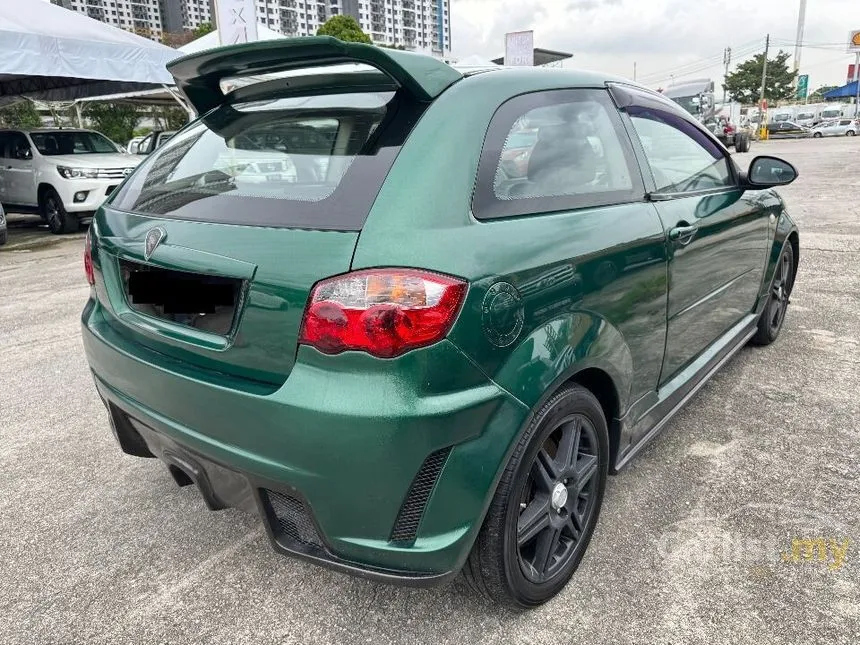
<point>312,162</point>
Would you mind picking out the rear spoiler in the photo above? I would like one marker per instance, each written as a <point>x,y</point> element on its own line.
<point>199,76</point>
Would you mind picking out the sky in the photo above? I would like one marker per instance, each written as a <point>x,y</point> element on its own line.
<point>664,38</point>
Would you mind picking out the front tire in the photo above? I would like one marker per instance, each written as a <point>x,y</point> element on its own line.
<point>54,213</point>
<point>771,319</point>
<point>817,135</point>
<point>546,506</point>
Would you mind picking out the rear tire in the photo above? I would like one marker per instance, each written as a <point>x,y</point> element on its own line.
<point>54,213</point>
<point>850,133</point>
<point>742,143</point>
<point>4,237</point>
<point>546,505</point>
<point>771,319</point>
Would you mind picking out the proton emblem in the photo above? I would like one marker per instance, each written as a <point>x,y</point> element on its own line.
<point>127,171</point>
<point>154,237</point>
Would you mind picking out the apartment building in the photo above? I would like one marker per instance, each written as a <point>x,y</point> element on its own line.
<point>419,25</point>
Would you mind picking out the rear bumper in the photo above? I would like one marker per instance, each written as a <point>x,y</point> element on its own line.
<point>339,449</point>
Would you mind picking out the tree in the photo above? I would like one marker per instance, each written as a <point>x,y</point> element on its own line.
<point>744,84</point>
<point>177,39</point>
<point>114,120</point>
<point>169,118</point>
<point>818,95</point>
<point>202,29</point>
<point>344,28</point>
<point>20,115</point>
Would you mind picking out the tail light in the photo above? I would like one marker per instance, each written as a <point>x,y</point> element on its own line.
<point>729,129</point>
<point>384,312</point>
<point>88,259</point>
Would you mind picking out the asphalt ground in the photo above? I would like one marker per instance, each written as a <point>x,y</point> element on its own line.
<point>695,543</point>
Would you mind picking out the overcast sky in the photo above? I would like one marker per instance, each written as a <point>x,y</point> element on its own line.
<point>663,37</point>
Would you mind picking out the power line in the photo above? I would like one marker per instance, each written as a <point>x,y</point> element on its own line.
<point>708,60</point>
<point>694,68</point>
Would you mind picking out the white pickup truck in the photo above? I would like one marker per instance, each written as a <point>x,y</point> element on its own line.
<point>64,175</point>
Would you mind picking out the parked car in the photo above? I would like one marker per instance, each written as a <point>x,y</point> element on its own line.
<point>133,145</point>
<point>64,175</point>
<point>418,362</point>
<point>836,128</point>
<point>152,142</point>
<point>786,130</point>
<point>3,229</point>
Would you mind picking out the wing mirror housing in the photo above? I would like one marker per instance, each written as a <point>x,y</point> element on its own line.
<point>768,172</point>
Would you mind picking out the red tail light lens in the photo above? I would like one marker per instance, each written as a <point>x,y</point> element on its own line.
<point>384,312</point>
<point>88,260</point>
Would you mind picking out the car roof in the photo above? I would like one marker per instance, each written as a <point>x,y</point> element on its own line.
<point>45,130</point>
<point>553,77</point>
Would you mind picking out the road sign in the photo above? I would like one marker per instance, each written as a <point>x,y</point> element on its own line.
<point>802,86</point>
<point>520,48</point>
<point>236,21</point>
<point>854,41</point>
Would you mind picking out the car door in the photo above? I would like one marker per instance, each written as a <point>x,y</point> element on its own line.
<point>717,234</point>
<point>20,171</point>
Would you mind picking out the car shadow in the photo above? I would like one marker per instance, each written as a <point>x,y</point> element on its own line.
<point>29,232</point>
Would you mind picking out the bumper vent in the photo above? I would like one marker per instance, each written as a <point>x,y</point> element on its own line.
<point>406,526</point>
<point>292,524</point>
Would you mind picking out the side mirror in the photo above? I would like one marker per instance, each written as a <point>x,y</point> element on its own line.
<point>23,155</point>
<point>766,172</point>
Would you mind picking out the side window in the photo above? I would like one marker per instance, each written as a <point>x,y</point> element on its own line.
<point>5,139</point>
<point>19,147</point>
<point>553,151</point>
<point>682,157</point>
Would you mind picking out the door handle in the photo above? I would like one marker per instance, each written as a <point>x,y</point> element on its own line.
<point>683,234</point>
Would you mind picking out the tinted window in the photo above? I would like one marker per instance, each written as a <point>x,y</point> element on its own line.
<point>682,157</point>
<point>4,143</point>
<point>71,143</point>
<point>18,147</point>
<point>552,151</point>
<point>304,161</point>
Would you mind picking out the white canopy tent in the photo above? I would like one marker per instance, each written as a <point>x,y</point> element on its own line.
<point>50,53</point>
<point>168,95</point>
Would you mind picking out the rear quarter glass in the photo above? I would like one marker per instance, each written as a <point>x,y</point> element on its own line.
<point>300,162</point>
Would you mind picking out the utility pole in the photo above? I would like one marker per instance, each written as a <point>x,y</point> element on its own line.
<point>727,60</point>
<point>857,80</point>
<point>762,121</point>
<point>798,45</point>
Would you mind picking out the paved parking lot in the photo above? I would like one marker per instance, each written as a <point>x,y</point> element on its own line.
<point>694,545</point>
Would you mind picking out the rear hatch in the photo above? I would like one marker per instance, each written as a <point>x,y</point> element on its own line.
<point>209,251</point>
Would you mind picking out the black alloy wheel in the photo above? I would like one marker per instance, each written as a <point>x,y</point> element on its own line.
<point>546,504</point>
<point>773,316</point>
<point>558,499</point>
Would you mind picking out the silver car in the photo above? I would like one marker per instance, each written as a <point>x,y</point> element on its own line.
<point>836,128</point>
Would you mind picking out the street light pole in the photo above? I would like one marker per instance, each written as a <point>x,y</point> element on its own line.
<point>857,80</point>
<point>798,45</point>
<point>763,115</point>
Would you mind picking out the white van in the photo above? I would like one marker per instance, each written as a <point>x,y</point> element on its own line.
<point>831,111</point>
<point>778,115</point>
<point>808,115</point>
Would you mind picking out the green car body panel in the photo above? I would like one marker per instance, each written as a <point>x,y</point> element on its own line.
<point>348,432</point>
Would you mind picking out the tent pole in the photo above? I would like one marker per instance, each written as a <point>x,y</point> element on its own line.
<point>183,104</point>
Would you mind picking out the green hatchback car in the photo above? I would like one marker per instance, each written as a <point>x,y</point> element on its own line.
<point>336,300</point>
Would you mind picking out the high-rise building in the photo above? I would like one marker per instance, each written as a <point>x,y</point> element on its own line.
<point>140,16</point>
<point>422,25</point>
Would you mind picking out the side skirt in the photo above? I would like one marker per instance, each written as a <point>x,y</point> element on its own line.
<point>675,394</point>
